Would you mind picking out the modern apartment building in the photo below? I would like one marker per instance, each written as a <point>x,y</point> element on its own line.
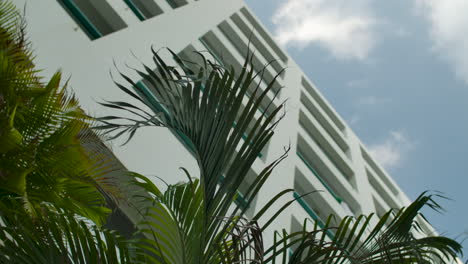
<point>87,37</point>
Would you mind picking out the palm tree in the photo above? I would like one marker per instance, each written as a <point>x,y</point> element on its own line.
<point>201,107</point>
<point>199,221</point>
<point>53,185</point>
<point>42,133</point>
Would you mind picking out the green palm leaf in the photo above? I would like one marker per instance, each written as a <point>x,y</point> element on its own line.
<point>43,133</point>
<point>61,237</point>
<point>201,104</point>
<point>395,238</point>
<point>205,106</point>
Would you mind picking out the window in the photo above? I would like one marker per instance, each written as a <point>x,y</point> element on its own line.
<point>322,179</point>
<point>244,189</point>
<point>325,122</point>
<point>337,185</point>
<point>318,135</point>
<point>379,208</point>
<point>249,33</point>
<point>315,212</point>
<point>176,3</point>
<point>243,49</point>
<point>311,212</point>
<point>379,172</point>
<point>381,190</point>
<point>96,18</point>
<point>224,57</point>
<point>321,102</point>
<point>144,9</point>
<point>262,32</point>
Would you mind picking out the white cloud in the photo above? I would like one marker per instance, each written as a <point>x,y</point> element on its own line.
<point>343,27</point>
<point>391,151</point>
<point>449,31</point>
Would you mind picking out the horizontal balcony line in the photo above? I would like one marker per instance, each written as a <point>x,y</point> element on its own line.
<point>317,175</point>
<point>83,19</point>
<point>135,9</point>
<point>312,214</point>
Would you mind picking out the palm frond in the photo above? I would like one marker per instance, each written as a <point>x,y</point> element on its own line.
<point>197,221</point>
<point>205,105</point>
<point>62,237</point>
<point>43,133</point>
<point>395,238</point>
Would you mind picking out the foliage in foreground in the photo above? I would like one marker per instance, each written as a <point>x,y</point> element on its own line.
<point>396,238</point>
<point>198,222</point>
<point>52,188</point>
<point>192,222</point>
<point>42,130</point>
<point>58,236</point>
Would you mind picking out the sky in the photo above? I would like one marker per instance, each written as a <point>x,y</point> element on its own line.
<point>397,72</point>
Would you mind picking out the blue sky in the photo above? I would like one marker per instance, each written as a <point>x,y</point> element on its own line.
<point>397,72</point>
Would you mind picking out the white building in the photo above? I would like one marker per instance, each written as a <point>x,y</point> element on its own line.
<point>85,37</point>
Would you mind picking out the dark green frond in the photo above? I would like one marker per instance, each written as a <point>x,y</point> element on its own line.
<point>61,237</point>
<point>206,106</point>
<point>395,238</point>
<point>42,134</point>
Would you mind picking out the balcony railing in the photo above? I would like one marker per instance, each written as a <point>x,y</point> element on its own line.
<point>324,183</point>
<point>312,214</point>
<point>135,9</point>
<point>92,31</point>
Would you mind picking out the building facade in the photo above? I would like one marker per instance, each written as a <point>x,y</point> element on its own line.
<point>87,38</point>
